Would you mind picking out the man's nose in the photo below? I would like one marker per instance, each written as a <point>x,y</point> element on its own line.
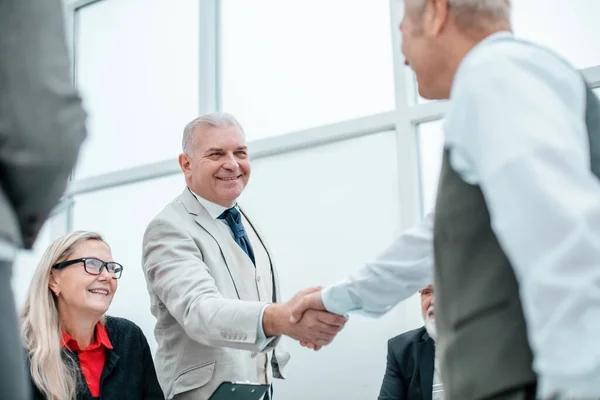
<point>231,163</point>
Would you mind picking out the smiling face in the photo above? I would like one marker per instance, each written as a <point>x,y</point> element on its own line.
<point>218,167</point>
<point>80,293</point>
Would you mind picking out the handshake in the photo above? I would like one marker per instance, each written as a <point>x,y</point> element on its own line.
<point>303,318</point>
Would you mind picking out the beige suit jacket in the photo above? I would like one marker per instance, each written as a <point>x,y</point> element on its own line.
<point>207,315</point>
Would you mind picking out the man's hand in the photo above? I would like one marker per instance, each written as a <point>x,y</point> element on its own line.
<point>314,329</point>
<point>311,301</point>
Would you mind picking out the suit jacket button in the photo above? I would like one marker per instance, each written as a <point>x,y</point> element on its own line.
<point>254,354</point>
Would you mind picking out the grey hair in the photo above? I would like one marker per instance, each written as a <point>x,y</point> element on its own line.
<point>215,119</point>
<point>473,13</point>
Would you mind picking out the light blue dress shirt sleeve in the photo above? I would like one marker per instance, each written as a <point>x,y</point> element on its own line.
<point>516,128</point>
<point>405,267</point>
<point>262,341</point>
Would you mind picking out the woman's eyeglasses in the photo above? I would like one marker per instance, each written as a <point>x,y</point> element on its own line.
<point>94,266</point>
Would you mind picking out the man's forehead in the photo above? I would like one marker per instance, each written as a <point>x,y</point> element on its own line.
<point>218,148</point>
<point>428,287</point>
<point>224,138</point>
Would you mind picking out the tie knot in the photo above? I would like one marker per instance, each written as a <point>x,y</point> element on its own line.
<point>234,219</point>
<point>231,213</point>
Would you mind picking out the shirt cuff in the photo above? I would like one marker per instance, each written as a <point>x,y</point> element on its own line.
<point>337,299</point>
<point>262,341</point>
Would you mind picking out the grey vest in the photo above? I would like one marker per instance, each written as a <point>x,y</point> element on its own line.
<point>482,331</point>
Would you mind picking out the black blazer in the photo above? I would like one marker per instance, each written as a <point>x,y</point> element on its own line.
<point>128,373</point>
<point>410,363</point>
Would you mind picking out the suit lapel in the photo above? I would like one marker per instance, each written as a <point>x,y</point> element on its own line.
<point>426,365</point>
<point>206,222</point>
<point>275,283</point>
<point>111,362</point>
<point>277,353</point>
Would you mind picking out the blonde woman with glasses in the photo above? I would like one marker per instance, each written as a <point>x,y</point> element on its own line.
<point>74,350</point>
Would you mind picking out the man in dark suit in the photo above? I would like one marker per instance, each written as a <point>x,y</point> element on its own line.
<point>42,126</point>
<point>411,372</point>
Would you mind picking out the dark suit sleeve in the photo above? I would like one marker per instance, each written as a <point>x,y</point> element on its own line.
<point>393,387</point>
<point>43,122</point>
<point>152,390</point>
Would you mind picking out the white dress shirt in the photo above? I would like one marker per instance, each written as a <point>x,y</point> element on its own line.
<point>215,210</point>
<point>516,127</point>
<point>437,391</point>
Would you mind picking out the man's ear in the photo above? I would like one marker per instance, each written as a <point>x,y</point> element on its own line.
<point>435,17</point>
<point>184,162</point>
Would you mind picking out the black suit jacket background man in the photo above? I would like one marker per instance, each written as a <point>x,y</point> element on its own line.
<point>410,363</point>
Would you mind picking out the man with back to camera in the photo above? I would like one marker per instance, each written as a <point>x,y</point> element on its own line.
<point>517,219</point>
<point>42,126</point>
<point>412,371</point>
<point>213,285</point>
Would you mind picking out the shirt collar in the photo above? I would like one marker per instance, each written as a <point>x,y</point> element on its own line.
<point>215,210</point>
<point>494,37</point>
<point>101,339</point>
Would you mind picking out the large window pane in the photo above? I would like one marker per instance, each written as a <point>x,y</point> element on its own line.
<point>569,27</point>
<point>293,65</point>
<point>326,211</point>
<point>121,215</point>
<point>137,68</point>
<point>431,144</point>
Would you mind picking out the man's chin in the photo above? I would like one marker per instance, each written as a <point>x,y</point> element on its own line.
<point>430,327</point>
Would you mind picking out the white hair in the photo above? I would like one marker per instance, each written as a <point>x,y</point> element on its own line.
<point>473,13</point>
<point>215,119</point>
<point>53,375</point>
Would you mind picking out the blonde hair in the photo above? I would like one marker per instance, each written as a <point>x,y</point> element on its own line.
<point>54,376</point>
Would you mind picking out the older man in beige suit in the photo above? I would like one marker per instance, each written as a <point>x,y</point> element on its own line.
<point>212,281</point>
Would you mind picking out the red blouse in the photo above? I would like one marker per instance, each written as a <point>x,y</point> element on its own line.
<point>92,358</point>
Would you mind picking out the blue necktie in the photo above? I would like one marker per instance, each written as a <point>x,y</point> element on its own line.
<point>234,219</point>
